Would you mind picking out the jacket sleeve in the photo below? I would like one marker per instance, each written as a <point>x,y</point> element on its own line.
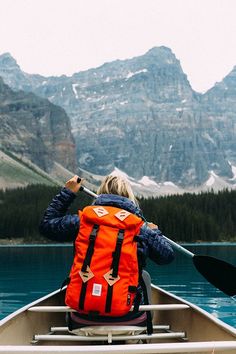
<point>56,224</point>
<point>158,249</point>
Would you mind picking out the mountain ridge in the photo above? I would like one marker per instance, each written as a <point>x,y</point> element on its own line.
<point>146,106</point>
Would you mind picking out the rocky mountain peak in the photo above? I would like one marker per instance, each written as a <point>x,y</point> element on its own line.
<point>161,53</point>
<point>7,61</point>
<point>12,74</point>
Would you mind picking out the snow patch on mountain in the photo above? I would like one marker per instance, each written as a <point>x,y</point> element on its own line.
<point>215,183</point>
<point>131,180</point>
<point>233,168</point>
<point>207,137</point>
<point>130,74</point>
<point>75,91</point>
<point>146,181</point>
<point>168,183</point>
<point>147,187</point>
<point>211,180</point>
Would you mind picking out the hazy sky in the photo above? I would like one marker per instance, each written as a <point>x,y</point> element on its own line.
<point>55,37</point>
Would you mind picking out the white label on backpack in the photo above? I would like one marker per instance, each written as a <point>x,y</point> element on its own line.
<point>97,289</point>
<point>100,211</point>
<point>122,215</point>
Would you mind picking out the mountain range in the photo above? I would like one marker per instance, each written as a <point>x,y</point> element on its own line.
<point>35,134</point>
<point>139,116</point>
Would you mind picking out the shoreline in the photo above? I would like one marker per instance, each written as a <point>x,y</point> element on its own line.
<point>24,242</point>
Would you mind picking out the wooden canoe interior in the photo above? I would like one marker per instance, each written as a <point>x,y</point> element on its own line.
<point>20,329</point>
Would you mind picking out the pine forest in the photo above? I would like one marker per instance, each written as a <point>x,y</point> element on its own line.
<point>205,217</point>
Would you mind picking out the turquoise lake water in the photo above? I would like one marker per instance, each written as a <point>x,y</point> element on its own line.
<point>29,272</point>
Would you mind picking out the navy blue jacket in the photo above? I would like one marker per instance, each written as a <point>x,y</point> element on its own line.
<point>57,225</point>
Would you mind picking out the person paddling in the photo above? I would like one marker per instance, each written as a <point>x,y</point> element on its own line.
<point>100,296</point>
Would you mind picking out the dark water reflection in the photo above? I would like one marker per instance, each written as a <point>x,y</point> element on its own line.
<point>27,273</point>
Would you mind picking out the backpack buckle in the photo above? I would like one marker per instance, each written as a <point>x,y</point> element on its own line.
<point>87,275</point>
<point>110,279</point>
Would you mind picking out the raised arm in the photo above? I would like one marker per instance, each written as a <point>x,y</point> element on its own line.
<point>56,224</point>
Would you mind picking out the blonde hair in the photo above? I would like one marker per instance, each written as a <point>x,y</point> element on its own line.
<point>117,185</point>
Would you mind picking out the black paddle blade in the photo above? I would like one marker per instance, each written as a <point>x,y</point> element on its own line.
<point>219,273</point>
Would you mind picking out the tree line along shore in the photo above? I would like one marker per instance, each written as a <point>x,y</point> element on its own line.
<point>205,217</point>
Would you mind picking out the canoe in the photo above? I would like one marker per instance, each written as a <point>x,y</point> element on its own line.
<point>179,327</point>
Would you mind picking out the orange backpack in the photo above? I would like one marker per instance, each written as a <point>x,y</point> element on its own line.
<point>104,275</point>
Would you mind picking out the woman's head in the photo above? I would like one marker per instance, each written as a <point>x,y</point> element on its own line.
<point>117,185</point>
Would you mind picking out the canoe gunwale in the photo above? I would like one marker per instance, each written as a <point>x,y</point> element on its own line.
<point>212,318</point>
<point>154,348</point>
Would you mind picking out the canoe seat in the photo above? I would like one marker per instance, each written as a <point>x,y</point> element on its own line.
<point>108,331</point>
<point>112,330</point>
